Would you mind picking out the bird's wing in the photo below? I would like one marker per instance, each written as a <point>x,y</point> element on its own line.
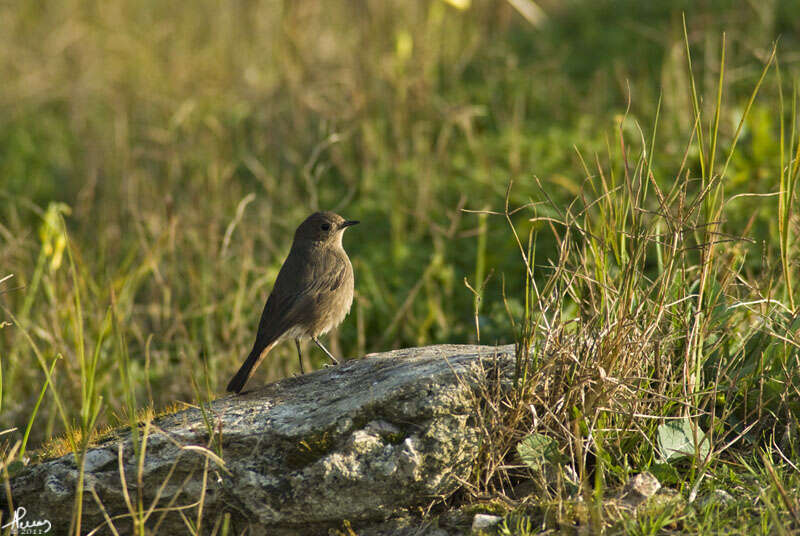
<point>299,285</point>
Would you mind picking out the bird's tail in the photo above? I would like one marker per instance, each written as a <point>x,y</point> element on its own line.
<point>248,368</point>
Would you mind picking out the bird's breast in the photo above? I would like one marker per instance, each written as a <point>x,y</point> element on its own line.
<point>332,306</point>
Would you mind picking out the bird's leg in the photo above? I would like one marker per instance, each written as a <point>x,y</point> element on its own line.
<point>316,340</point>
<point>299,355</point>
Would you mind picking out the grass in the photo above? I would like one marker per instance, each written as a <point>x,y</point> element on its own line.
<point>613,188</point>
<point>652,315</point>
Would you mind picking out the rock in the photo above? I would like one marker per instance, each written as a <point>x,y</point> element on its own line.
<point>640,488</point>
<point>359,442</point>
<point>97,459</point>
<point>644,484</point>
<point>484,521</point>
<point>718,497</point>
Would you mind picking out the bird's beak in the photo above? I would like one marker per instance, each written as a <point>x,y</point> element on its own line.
<point>348,223</point>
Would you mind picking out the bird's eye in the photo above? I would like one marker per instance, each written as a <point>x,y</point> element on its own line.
<point>326,226</point>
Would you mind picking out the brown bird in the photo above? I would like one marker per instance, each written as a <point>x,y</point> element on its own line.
<point>312,294</point>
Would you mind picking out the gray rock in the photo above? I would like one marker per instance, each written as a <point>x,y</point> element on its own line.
<point>640,488</point>
<point>644,484</point>
<point>717,497</point>
<point>484,521</point>
<point>358,442</point>
<point>96,459</point>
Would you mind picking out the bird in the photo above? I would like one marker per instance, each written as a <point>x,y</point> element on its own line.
<point>311,295</point>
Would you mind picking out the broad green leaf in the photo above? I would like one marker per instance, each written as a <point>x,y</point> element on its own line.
<point>536,449</point>
<point>677,440</point>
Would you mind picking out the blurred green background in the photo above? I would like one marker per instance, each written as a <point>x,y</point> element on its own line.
<point>183,142</point>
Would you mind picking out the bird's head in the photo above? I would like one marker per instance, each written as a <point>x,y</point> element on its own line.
<point>324,227</point>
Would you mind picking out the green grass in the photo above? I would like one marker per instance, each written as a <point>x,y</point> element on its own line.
<point>155,159</point>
